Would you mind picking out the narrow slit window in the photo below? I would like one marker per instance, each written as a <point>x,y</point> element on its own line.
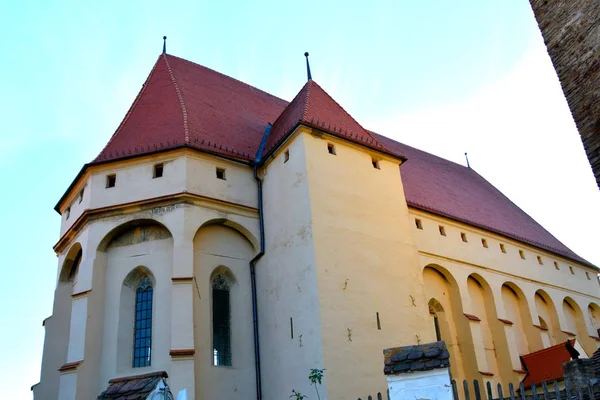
<point>221,321</point>
<point>484,243</point>
<point>158,171</point>
<point>571,270</point>
<point>291,328</point>
<point>502,248</point>
<point>286,156</point>
<point>111,180</point>
<point>556,265</point>
<point>463,237</point>
<point>522,254</point>
<point>540,261</point>
<point>221,173</point>
<point>375,163</point>
<point>142,343</point>
<point>378,322</point>
<point>418,223</point>
<point>331,148</point>
<point>436,325</point>
<point>442,230</point>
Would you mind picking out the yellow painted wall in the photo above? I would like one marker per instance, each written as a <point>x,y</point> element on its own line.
<point>366,264</point>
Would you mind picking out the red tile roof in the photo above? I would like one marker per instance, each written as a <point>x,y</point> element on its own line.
<point>312,106</point>
<point>546,365</point>
<point>445,188</point>
<point>185,104</point>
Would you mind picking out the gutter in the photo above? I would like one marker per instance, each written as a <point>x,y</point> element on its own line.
<point>261,221</point>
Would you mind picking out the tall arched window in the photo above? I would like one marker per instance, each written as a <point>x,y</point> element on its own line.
<point>221,320</point>
<point>142,338</point>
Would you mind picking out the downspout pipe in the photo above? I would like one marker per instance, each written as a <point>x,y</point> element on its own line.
<point>261,222</point>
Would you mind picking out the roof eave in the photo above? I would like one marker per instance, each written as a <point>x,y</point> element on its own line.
<point>286,136</point>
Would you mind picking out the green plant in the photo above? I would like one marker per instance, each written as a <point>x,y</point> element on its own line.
<point>297,395</point>
<point>316,376</point>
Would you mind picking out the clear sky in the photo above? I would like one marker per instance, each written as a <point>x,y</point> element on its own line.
<point>446,77</point>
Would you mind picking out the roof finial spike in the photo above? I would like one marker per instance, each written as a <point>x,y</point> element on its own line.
<point>164,45</point>
<point>307,67</point>
<point>467,157</point>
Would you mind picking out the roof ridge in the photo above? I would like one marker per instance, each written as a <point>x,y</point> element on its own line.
<point>186,136</point>
<point>377,143</point>
<point>307,97</point>
<point>129,112</point>
<point>229,77</point>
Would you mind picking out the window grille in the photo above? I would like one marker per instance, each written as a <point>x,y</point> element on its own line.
<point>142,340</point>
<point>221,321</point>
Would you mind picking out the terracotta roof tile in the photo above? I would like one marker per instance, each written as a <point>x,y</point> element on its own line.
<point>312,106</point>
<point>185,104</point>
<point>182,103</point>
<point>546,365</point>
<point>445,188</point>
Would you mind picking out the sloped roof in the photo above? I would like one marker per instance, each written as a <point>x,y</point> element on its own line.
<point>451,190</point>
<point>422,357</point>
<point>185,104</point>
<point>132,387</point>
<point>546,365</point>
<point>314,107</point>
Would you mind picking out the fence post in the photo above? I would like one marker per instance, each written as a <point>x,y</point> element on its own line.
<point>476,389</point>
<point>466,388</point>
<point>545,387</point>
<point>534,389</point>
<point>511,390</point>
<point>556,391</point>
<point>568,389</point>
<point>454,390</point>
<point>522,390</point>
<point>489,391</point>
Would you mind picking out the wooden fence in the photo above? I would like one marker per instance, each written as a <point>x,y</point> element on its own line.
<point>378,397</point>
<point>540,392</point>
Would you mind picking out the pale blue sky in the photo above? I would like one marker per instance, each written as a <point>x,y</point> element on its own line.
<point>447,77</point>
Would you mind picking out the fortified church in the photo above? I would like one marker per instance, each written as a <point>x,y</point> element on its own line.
<point>226,241</point>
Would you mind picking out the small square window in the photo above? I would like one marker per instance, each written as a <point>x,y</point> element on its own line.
<point>572,270</point>
<point>111,180</point>
<point>331,148</point>
<point>463,237</point>
<point>587,275</point>
<point>375,163</point>
<point>540,260</point>
<point>158,171</point>
<point>502,248</point>
<point>67,212</point>
<point>418,224</point>
<point>221,173</point>
<point>442,230</point>
<point>556,265</point>
<point>484,243</point>
<point>81,195</point>
<point>522,254</point>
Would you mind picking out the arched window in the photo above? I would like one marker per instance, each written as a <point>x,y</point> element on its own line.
<point>142,338</point>
<point>221,321</point>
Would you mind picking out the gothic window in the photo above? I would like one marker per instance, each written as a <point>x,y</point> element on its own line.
<point>142,338</point>
<point>221,321</point>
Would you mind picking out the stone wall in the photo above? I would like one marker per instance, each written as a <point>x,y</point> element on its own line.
<point>571,30</point>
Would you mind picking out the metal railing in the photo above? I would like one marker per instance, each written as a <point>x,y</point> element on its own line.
<point>545,391</point>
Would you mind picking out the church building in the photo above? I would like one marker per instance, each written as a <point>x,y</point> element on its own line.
<point>225,242</point>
